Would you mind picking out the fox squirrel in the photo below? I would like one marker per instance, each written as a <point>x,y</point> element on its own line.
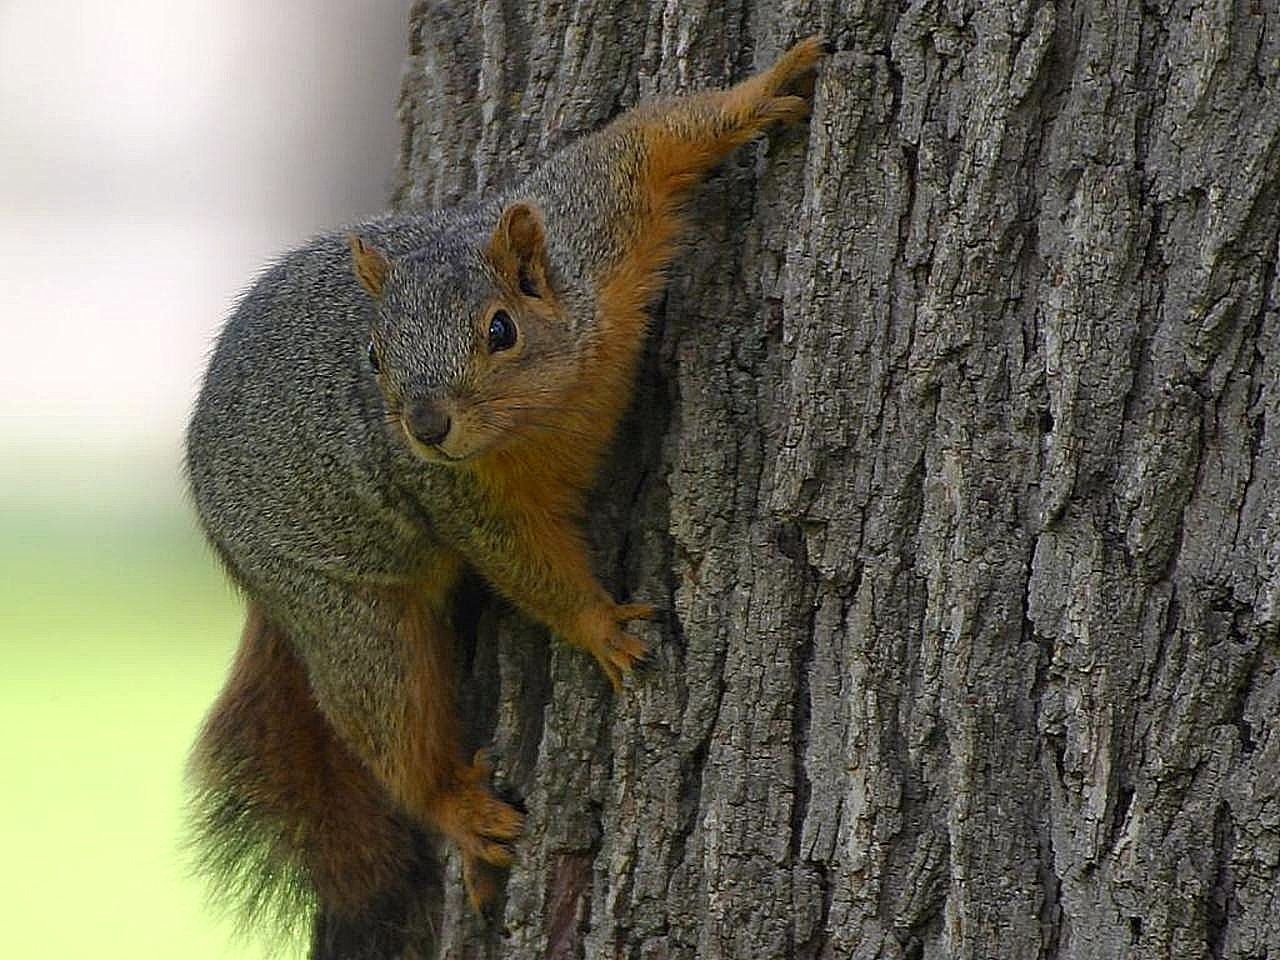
<point>383,411</point>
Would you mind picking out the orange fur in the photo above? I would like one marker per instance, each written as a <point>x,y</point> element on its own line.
<point>268,739</point>
<point>427,732</point>
<point>540,483</point>
<point>679,143</point>
<point>293,770</point>
<point>428,774</point>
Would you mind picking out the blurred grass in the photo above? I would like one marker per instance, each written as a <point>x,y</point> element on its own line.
<point>116,627</point>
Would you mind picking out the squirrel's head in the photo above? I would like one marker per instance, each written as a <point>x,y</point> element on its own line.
<point>470,345</point>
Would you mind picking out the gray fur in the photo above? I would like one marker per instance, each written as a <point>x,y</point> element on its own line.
<point>291,464</point>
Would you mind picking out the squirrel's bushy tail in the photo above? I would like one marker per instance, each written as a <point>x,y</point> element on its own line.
<point>287,824</point>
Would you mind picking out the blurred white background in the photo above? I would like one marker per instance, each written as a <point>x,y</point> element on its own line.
<point>152,156</point>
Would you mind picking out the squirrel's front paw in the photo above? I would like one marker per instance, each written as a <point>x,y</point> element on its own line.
<point>599,632</point>
<point>795,62</point>
<point>781,93</point>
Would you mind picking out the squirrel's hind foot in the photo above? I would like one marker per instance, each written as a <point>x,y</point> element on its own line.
<point>483,827</point>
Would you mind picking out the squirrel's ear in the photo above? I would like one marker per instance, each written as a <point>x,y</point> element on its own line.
<point>518,249</point>
<point>370,264</point>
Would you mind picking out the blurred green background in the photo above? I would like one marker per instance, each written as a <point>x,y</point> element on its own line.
<point>117,628</point>
<point>154,156</point>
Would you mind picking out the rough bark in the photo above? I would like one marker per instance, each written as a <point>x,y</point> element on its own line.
<point>955,463</point>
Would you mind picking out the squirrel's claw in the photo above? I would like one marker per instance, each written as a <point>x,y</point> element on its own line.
<point>483,826</point>
<point>622,654</point>
<point>799,60</point>
<point>776,95</point>
<point>599,632</point>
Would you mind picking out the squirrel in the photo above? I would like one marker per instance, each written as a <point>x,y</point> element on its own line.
<point>385,410</point>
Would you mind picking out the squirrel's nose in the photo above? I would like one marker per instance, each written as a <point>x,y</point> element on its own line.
<point>428,422</point>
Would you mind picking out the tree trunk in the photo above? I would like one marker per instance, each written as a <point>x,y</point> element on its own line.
<point>954,463</point>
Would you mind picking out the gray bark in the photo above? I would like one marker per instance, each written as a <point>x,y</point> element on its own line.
<point>954,461</point>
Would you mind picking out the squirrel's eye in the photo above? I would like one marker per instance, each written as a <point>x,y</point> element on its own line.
<point>502,332</point>
<point>373,358</point>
